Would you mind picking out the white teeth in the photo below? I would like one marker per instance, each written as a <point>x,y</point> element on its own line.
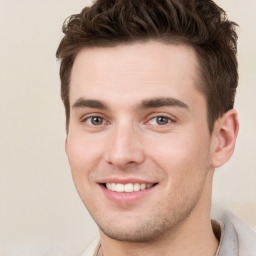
<point>129,187</point>
<point>149,185</point>
<point>113,187</point>
<point>119,187</point>
<point>109,186</point>
<point>143,186</point>
<point>136,187</point>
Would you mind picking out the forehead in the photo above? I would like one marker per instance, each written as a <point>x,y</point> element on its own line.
<point>135,71</point>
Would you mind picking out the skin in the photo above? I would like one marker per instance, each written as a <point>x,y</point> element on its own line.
<point>121,86</point>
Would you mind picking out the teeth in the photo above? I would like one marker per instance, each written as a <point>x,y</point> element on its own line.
<point>136,187</point>
<point>143,186</point>
<point>113,186</point>
<point>119,188</point>
<point>130,187</point>
<point>149,185</point>
<point>109,186</point>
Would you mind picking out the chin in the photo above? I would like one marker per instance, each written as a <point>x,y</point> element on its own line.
<point>136,235</point>
<point>145,229</point>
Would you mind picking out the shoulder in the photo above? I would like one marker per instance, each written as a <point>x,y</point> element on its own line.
<point>238,235</point>
<point>246,235</point>
<point>92,248</point>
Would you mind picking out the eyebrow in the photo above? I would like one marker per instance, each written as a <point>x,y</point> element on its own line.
<point>161,102</point>
<point>89,103</point>
<point>145,104</point>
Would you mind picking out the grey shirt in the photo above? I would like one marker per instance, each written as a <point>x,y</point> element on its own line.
<point>238,239</point>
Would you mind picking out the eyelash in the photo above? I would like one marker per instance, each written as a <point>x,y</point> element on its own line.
<point>86,119</point>
<point>104,122</point>
<point>168,119</point>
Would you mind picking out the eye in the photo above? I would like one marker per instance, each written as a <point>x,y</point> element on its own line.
<point>95,120</point>
<point>160,120</point>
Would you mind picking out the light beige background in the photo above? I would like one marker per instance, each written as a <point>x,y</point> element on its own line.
<point>40,212</point>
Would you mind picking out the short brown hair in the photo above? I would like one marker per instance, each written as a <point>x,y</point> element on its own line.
<point>199,23</point>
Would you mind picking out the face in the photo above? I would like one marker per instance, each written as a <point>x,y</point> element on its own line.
<point>138,144</point>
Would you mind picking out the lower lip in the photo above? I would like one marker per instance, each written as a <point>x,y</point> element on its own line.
<point>126,197</point>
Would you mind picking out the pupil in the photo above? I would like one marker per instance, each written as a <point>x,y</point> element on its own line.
<point>97,120</point>
<point>162,120</point>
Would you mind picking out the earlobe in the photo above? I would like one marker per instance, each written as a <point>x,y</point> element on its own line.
<point>225,134</point>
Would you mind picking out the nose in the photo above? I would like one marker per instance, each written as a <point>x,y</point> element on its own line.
<point>124,147</point>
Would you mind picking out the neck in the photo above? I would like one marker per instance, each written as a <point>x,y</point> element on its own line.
<point>193,237</point>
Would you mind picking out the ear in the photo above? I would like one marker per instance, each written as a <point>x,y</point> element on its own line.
<point>224,138</point>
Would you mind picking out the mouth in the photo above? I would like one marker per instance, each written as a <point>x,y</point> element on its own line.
<point>128,187</point>
<point>127,192</point>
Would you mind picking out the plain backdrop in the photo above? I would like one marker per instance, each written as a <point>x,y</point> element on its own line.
<point>40,211</point>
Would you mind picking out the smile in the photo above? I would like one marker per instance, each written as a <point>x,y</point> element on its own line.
<point>128,188</point>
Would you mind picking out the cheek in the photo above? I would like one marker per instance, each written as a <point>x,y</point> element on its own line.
<point>185,166</point>
<point>84,155</point>
<point>174,148</point>
<point>180,156</point>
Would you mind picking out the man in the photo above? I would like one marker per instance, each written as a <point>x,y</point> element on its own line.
<point>148,88</point>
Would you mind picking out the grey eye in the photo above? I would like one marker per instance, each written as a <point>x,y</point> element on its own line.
<point>95,120</point>
<point>161,120</point>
